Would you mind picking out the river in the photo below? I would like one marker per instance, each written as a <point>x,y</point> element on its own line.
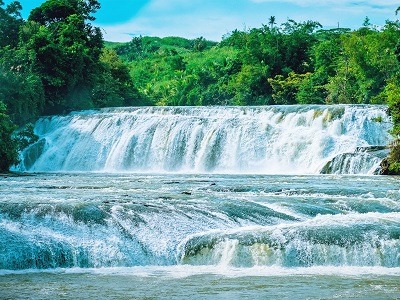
<point>127,236</point>
<point>101,227</point>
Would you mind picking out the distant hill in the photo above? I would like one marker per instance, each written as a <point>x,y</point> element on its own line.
<point>143,47</point>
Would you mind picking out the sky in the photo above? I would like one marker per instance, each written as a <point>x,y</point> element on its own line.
<point>212,19</point>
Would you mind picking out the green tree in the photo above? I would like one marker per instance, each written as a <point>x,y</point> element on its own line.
<point>10,23</point>
<point>20,87</point>
<point>250,86</point>
<point>67,49</point>
<point>12,142</point>
<point>298,41</point>
<point>235,39</point>
<point>8,145</point>
<point>132,50</point>
<point>311,89</point>
<point>271,21</point>
<point>366,22</point>
<point>286,89</point>
<point>114,85</point>
<point>200,44</point>
<point>366,62</point>
<point>391,164</point>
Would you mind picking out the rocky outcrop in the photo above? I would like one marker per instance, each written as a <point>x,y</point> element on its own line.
<point>384,170</point>
<point>32,153</point>
<point>361,160</point>
<point>390,164</point>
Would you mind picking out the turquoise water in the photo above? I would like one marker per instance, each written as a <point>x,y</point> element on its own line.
<point>160,285</point>
<point>300,139</point>
<point>177,236</point>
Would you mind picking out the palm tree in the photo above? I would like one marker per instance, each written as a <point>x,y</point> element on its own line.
<point>271,21</point>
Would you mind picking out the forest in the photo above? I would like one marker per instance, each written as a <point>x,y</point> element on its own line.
<point>57,61</point>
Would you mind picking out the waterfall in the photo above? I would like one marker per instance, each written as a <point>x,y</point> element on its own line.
<point>263,140</point>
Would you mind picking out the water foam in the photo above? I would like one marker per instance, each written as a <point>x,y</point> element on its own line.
<point>263,140</point>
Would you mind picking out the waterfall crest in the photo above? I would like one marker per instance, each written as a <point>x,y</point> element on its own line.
<point>263,140</point>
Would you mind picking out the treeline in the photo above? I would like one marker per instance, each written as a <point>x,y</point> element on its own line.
<point>57,61</point>
<point>52,63</point>
<point>294,63</point>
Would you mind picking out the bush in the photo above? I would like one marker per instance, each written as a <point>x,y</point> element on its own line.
<point>8,144</point>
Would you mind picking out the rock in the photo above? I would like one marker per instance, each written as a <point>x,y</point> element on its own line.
<point>362,160</point>
<point>384,167</point>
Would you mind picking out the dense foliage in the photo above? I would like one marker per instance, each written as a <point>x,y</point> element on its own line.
<point>8,146</point>
<point>294,63</point>
<point>57,61</point>
<point>12,141</point>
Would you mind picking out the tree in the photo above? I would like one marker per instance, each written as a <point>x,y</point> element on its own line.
<point>200,44</point>
<point>286,89</point>
<point>12,142</point>
<point>67,50</point>
<point>366,62</point>
<point>391,164</point>
<point>271,21</point>
<point>114,85</point>
<point>8,145</point>
<point>10,22</point>
<point>55,11</point>
<point>20,87</point>
<point>298,41</point>
<point>366,22</point>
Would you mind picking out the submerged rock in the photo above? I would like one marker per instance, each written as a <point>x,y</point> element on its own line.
<point>33,152</point>
<point>385,168</point>
<point>362,160</point>
<point>388,165</point>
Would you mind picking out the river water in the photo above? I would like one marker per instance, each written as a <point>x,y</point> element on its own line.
<point>302,139</point>
<point>203,203</point>
<point>198,236</point>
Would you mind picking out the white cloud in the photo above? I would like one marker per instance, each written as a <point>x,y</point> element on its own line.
<point>186,26</point>
<point>171,4</point>
<point>212,19</point>
<point>370,3</point>
<point>190,19</point>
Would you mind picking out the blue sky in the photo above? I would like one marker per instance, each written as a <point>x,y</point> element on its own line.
<point>122,19</point>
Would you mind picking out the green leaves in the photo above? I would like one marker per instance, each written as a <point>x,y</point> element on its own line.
<point>114,86</point>
<point>67,51</point>
<point>20,88</point>
<point>55,11</point>
<point>8,145</point>
<point>10,22</point>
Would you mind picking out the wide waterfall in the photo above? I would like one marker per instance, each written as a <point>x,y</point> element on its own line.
<point>344,139</point>
<point>210,202</point>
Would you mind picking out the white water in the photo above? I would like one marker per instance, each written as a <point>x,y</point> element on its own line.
<point>110,234</point>
<point>210,236</point>
<point>263,140</point>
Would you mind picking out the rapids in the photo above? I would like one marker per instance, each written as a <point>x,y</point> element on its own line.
<point>101,220</point>
<point>203,202</point>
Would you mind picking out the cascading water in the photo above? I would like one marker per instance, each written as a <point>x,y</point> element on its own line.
<point>95,221</point>
<point>263,140</point>
<point>166,202</point>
